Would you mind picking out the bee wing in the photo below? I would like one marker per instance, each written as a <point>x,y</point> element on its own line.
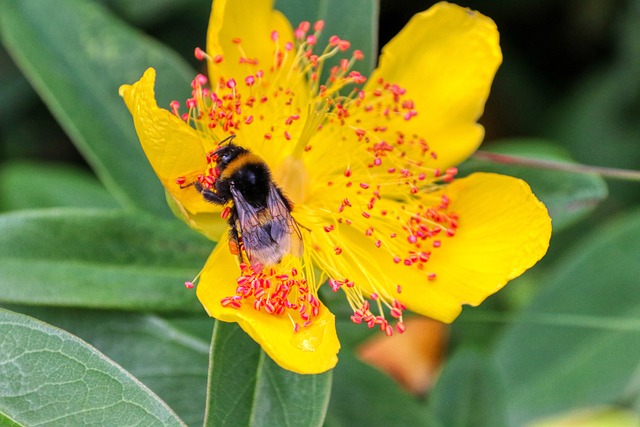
<point>284,224</point>
<point>267,234</point>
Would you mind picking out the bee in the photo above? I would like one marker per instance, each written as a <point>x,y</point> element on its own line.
<point>260,218</point>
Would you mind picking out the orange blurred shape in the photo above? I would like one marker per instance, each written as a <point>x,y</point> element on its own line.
<point>412,358</point>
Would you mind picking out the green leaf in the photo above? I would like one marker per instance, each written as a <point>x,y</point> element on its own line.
<point>577,343</point>
<point>469,392</point>
<point>98,258</point>
<point>49,376</point>
<point>76,55</point>
<point>170,360</point>
<point>568,196</point>
<point>353,20</point>
<point>364,396</point>
<point>26,185</point>
<point>246,388</point>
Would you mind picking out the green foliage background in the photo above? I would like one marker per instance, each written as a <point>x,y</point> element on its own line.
<point>88,245</point>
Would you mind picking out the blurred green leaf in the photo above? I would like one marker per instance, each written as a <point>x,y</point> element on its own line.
<point>172,361</point>
<point>364,396</point>
<point>353,20</point>
<point>469,392</point>
<point>76,55</point>
<point>577,343</point>
<point>49,376</point>
<point>568,196</point>
<point>149,11</point>
<point>98,258</point>
<point>26,185</point>
<point>246,388</point>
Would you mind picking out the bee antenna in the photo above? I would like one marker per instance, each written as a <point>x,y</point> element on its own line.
<point>228,139</point>
<point>183,186</point>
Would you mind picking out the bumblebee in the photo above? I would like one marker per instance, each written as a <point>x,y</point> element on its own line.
<point>260,220</point>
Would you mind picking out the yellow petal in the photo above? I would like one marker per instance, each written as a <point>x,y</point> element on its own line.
<point>446,58</point>
<point>503,231</point>
<point>172,146</point>
<point>250,22</point>
<point>311,350</point>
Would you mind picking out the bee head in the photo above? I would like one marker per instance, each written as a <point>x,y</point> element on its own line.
<point>225,155</point>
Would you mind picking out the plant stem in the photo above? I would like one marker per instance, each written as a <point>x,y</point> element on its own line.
<point>615,173</point>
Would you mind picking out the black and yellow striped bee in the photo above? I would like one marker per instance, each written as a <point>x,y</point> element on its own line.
<point>260,220</point>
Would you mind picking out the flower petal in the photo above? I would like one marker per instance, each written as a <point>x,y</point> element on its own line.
<point>311,350</point>
<point>503,231</point>
<point>446,58</point>
<point>251,25</point>
<point>172,146</point>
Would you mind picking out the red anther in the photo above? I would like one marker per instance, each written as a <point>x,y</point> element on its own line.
<point>334,40</point>
<point>374,296</point>
<point>218,59</point>
<point>388,330</point>
<point>191,103</point>
<point>377,161</point>
<point>267,136</point>
<point>287,135</point>
<point>329,228</point>
<point>358,55</point>
<point>397,259</point>
<point>408,262</point>
<point>437,243</point>
<point>399,289</point>
<point>431,276</point>
<point>412,239</point>
<point>269,307</point>
<point>318,25</point>
<point>274,35</point>
<point>236,40</point>
<point>199,54</point>
<point>189,285</point>
<point>225,212</point>
<point>356,319</point>
<point>288,46</point>
<point>311,40</point>
<point>231,83</point>
<point>344,45</point>
<point>366,214</point>
<point>250,80</point>
<point>248,120</point>
<point>296,327</point>
<point>337,250</point>
<point>378,243</point>
<point>181,180</point>
<point>400,327</point>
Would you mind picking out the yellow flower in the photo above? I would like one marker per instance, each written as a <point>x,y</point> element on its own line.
<point>368,164</point>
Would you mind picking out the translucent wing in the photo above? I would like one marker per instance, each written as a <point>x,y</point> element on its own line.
<point>269,233</point>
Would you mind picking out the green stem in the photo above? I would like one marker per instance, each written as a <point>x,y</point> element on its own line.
<point>624,174</point>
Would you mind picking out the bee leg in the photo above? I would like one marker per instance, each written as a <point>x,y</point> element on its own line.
<point>209,195</point>
<point>234,243</point>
